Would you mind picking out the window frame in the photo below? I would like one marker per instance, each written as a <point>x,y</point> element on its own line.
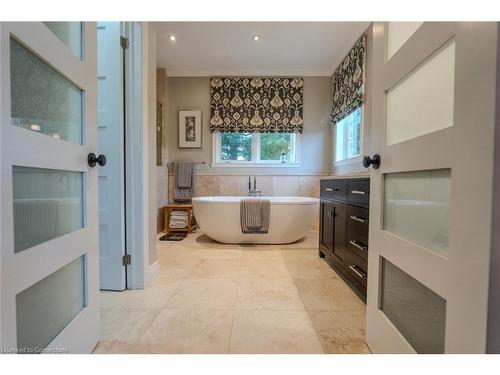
<point>355,159</point>
<point>256,161</point>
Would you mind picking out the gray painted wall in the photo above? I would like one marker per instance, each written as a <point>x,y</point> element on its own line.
<point>194,93</point>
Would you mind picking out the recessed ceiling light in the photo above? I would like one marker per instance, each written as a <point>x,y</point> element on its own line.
<point>172,38</point>
<point>256,38</point>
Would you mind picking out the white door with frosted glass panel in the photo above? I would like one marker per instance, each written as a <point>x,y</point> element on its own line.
<point>49,244</point>
<point>430,211</point>
<point>110,143</point>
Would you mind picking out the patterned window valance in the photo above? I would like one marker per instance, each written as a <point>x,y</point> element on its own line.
<point>348,82</point>
<point>256,105</point>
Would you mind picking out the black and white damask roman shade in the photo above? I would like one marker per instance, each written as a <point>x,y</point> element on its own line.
<point>256,105</point>
<point>348,82</point>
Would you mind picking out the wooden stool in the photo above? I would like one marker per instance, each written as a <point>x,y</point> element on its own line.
<point>179,207</point>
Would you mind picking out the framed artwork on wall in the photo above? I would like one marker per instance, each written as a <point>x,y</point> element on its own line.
<point>190,131</point>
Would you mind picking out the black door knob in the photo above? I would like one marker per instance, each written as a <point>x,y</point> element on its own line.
<point>92,159</point>
<point>373,161</point>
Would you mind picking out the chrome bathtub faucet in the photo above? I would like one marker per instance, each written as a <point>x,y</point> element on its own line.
<point>253,192</point>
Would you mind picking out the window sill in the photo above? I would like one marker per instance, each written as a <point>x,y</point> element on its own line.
<point>354,160</point>
<point>254,165</point>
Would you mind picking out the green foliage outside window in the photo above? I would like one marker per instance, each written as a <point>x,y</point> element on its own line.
<point>236,146</point>
<point>272,145</point>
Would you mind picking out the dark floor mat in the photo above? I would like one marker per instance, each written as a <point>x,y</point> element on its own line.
<point>173,237</point>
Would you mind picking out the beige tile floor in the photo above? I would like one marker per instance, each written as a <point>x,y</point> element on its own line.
<point>215,298</point>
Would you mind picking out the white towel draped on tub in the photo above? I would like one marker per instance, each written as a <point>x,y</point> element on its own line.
<point>254,215</point>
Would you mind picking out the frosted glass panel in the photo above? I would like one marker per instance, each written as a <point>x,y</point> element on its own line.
<point>397,35</point>
<point>416,207</point>
<point>47,204</point>
<point>42,100</point>
<point>415,310</point>
<point>422,102</point>
<point>70,34</point>
<point>45,308</point>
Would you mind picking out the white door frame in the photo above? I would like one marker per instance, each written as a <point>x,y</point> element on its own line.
<point>139,166</point>
<point>462,276</point>
<point>28,148</point>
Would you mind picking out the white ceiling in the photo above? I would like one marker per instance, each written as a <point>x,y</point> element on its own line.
<point>227,48</point>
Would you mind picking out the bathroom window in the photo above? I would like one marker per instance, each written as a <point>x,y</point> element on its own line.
<point>348,137</point>
<point>251,148</point>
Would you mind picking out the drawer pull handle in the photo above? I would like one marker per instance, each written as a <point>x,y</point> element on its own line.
<point>331,189</point>
<point>361,192</point>
<point>360,219</point>
<point>358,245</point>
<point>357,272</point>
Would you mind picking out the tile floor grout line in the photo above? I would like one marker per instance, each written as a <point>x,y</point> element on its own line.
<point>309,318</point>
<point>234,306</point>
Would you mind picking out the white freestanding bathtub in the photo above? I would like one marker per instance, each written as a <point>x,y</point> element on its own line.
<point>290,219</point>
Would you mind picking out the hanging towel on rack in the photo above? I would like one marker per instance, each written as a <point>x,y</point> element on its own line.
<point>183,181</point>
<point>254,215</point>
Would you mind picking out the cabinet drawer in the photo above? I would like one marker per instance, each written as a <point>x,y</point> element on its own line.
<point>357,268</point>
<point>357,231</point>
<point>335,189</point>
<point>358,192</point>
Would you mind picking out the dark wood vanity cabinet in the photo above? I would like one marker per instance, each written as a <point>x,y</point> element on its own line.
<point>333,229</point>
<point>343,239</point>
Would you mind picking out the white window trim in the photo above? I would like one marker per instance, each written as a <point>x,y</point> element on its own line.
<point>355,159</point>
<point>217,162</point>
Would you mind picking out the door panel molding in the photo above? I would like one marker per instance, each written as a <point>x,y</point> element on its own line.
<point>423,43</point>
<point>467,149</point>
<point>40,40</point>
<point>26,148</point>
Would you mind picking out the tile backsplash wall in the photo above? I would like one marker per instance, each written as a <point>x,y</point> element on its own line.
<point>306,186</point>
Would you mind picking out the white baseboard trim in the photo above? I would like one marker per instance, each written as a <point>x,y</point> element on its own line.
<point>152,272</point>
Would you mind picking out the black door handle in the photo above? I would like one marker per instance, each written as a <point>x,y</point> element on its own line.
<point>373,161</point>
<point>92,159</point>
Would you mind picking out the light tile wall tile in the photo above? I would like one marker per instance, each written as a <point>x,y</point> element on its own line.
<point>217,185</point>
<point>286,185</point>
<point>265,184</point>
<point>309,186</point>
<point>233,185</point>
<point>207,185</point>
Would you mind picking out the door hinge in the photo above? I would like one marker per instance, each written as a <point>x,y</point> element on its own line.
<point>124,42</point>
<point>126,260</point>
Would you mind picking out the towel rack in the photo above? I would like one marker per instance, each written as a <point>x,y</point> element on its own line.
<point>194,162</point>
<point>170,165</point>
